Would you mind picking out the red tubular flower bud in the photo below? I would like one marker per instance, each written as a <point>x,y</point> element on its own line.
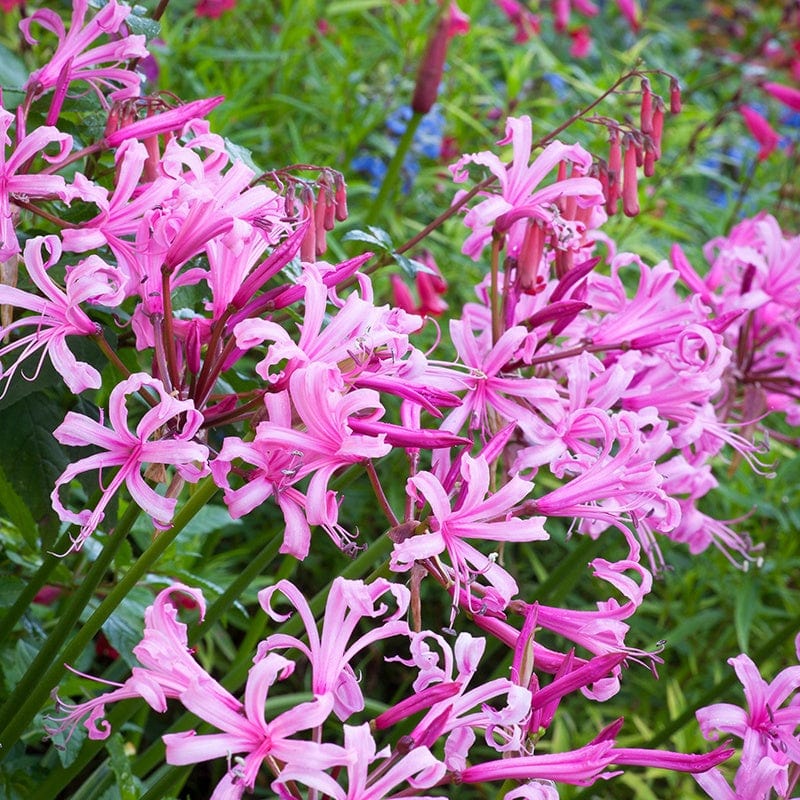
<point>674,96</point>
<point>320,212</point>
<point>646,110</point>
<point>614,174</point>
<point>308,247</point>
<point>630,188</point>
<point>431,68</point>
<point>330,210</point>
<point>658,126</point>
<point>530,256</point>
<point>340,196</point>
<point>649,158</point>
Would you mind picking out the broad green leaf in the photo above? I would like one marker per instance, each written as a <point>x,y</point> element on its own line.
<point>13,76</point>
<point>17,511</point>
<point>32,459</point>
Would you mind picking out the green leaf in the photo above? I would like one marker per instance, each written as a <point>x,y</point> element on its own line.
<point>124,629</point>
<point>138,23</point>
<point>746,608</point>
<point>19,514</point>
<point>411,266</point>
<point>374,236</point>
<point>32,459</point>
<point>130,788</point>
<point>13,76</point>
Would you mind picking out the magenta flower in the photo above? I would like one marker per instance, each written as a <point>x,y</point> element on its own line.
<point>29,186</point>
<point>57,314</point>
<point>76,59</point>
<point>766,728</point>
<point>762,131</point>
<point>330,651</point>
<point>163,436</point>
<point>475,515</point>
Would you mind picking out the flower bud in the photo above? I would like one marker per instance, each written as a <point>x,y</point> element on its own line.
<point>630,188</point>
<point>340,196</point>
<point>646,110</point>
<point>431,68</point>
<point>674,96</point>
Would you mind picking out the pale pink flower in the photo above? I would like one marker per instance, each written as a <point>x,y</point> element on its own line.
<point>283,455</point>
<point>29,186</point>
<point>167,668</point>
<point>475,514</point>
<point>418,767</point>
<point>164,435</point>
<point>76,59</point>
<point>520,197</point>
<point>331,650</point>
<point>767,727</point>
<point>459,716</point>
<point>246,730</point>
<point>56,314</point>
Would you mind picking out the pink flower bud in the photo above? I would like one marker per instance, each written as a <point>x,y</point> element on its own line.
<point>630,189</point>
<point>674,96</point>
<point>451,22</point>
<point>658,126</point>
<point>649,158</point>
<point>646,110</point>
<point>530,256</point>
<point>788,95</point>
<point>762,131</point>
<point>320,241</point>
<point>308,247</point>
<point>340,198</point>
<point>614,173</point>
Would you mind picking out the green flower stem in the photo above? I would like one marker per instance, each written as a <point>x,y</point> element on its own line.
<point>47,669</point>
<point>37,581</point>
<point>256,566</point>
<point>31,692</point>
<point>392,177</point>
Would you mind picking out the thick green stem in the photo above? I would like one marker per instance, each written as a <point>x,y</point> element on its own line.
<point>48,667</point>
<point>32,691</point>
<point>392,178</point>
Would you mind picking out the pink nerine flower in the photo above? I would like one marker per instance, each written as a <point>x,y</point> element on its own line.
<point>163,436</point>
<point>519,192</point>
<point>28,186</point>
<point>56,315</point>
<point>768,730</point>
<point>246,729</point>
<point>331,651</point>
<point>418,767</point>
<point>474,515</point>
<point>76,59</point>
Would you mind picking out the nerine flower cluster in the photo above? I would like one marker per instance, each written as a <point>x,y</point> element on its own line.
<point>572,396</point>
